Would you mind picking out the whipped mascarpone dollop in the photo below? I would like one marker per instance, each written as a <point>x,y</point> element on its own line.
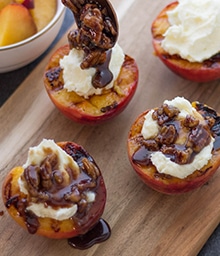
<point>194,30</point>
<point>36,156</point>
<point>80,80</point>
<point>163,163</point>
<point>38,153</point>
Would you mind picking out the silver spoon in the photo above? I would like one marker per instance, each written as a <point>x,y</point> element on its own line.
<point>111,13</point>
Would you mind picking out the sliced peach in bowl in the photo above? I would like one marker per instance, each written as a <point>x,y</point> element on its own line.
<point>43,12</point>
<point>16,24</point>
<point>21,53</point>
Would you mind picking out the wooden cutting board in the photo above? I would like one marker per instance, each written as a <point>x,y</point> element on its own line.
<point>143,222</point>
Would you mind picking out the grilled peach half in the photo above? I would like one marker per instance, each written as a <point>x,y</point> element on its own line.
<point>205,71</point>
<point>167,184</point>
<point>86,217</point>
<point>97,108</point>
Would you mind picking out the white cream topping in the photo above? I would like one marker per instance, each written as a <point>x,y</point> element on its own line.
<point>194,30</point>
<point>163,163</point>
<point>185,107</point>
<point>48,212</point>
<point>37,154</point>
<point>35,157</point>
<point>150,128</point>
<point>80,80</point>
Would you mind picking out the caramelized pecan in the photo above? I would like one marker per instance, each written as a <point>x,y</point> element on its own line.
<point>190,121</point>
<point>151,145</point>
<point>90,168</point>
<point>165,113</point>
<point>73,196</point>
<point>199,137</point>
<point>167,135</point>
<point>179,156</point>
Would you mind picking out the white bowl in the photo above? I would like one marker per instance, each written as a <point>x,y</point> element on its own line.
<point>17,55</point>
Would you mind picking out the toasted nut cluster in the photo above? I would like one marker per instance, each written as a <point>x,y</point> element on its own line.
<point>45,183</point>
<point>90,168</point>
<point>95,34</point>
<point>196,138</point>
<point>165,113</point>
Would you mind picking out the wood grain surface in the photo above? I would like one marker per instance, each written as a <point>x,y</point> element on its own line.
<point>143,222</point>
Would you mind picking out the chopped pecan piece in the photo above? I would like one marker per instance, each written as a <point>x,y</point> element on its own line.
<point>165,113</point>
<point>170,110</point>
<point>32,177</point>
<point>93,59</point>
<point>190,121</point>
<point>198,138</point>
<point>183,156</point>
<point>151,145</point>
<point>178,155</point>
<point>92,24</point>
<point>167,135</point>
<point>73,196</point>
<point>90,168</point>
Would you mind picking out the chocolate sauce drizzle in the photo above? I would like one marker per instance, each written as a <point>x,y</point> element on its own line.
<point>100,233</point>
<point>209,113</point>
<point>103,75</point>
